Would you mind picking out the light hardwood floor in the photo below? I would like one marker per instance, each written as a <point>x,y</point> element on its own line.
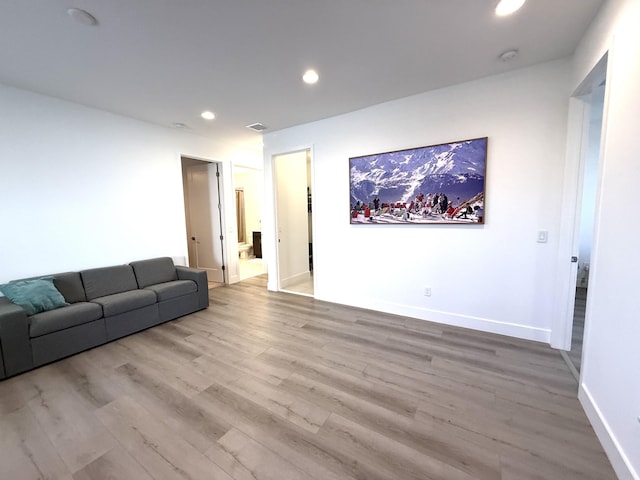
<point>250,267</point>
<point>267,385</point>
<point>301,287</point>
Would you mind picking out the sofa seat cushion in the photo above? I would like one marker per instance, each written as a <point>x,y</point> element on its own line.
<point>177,288</point>
<point>65,317</point>
<point>125,301</point>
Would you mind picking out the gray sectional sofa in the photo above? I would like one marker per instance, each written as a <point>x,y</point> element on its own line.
<point>100,305</point>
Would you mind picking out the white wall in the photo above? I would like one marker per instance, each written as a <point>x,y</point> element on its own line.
<point>610,386</point>
<point>493,277</point>
<point>82,188</point>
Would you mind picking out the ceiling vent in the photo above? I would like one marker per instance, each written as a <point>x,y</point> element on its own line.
<point>258,127</point>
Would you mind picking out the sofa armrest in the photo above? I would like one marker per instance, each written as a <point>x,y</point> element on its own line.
<point>14,337</point>
<point>198,276</point>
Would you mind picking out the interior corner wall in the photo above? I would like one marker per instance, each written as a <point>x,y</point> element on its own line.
<point>83,188</point>
<point>609,383</point>
<point>493,277</point>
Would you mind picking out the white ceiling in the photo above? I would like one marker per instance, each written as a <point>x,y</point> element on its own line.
<point>165,61</point>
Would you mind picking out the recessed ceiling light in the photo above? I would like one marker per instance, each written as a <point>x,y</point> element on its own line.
<point>310,77</point>
<point>507,7</point>
<point>207,115</point>
<point>82,16</point>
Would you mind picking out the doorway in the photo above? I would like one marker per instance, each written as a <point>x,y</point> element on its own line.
<point>204,218</point>
<point>249,190</point>
<point>591,94</point>
<point>293,192</point>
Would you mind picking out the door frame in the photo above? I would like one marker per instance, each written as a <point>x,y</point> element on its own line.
<point>569,234</point>
<point>234,268</point>
<point>274,184</point>
<point>219,216</point>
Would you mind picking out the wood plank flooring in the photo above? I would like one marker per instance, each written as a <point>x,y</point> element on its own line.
<point>577,338</point>
<point>265,385</point>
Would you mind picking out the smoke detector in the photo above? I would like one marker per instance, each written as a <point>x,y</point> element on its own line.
<point>82,16</point>
<point>508,55</point>
<point>258,127</point>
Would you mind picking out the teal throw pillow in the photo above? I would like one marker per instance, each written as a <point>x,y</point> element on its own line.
<point>34,296</point>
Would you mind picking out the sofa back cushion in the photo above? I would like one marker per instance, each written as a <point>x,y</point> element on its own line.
<point>154,271</point>
<point>100,282</point>
<point>70,286</point>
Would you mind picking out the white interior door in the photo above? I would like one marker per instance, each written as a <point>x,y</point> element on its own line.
<point>203,221</point>
<point>293,232</point>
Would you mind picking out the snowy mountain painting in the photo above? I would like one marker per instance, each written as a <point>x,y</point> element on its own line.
<point>434,184</point>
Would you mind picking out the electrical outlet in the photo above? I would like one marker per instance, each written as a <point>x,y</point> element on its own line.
<point>427,291</point>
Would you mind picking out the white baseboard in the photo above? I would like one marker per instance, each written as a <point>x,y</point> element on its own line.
<point>292,280</point>
<point>465,321</point>
<point>619,461</point>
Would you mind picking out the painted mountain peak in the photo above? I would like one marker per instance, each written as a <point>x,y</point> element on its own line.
<point>454,169</point>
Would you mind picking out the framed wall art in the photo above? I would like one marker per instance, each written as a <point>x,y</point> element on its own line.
<point>436,184</point>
